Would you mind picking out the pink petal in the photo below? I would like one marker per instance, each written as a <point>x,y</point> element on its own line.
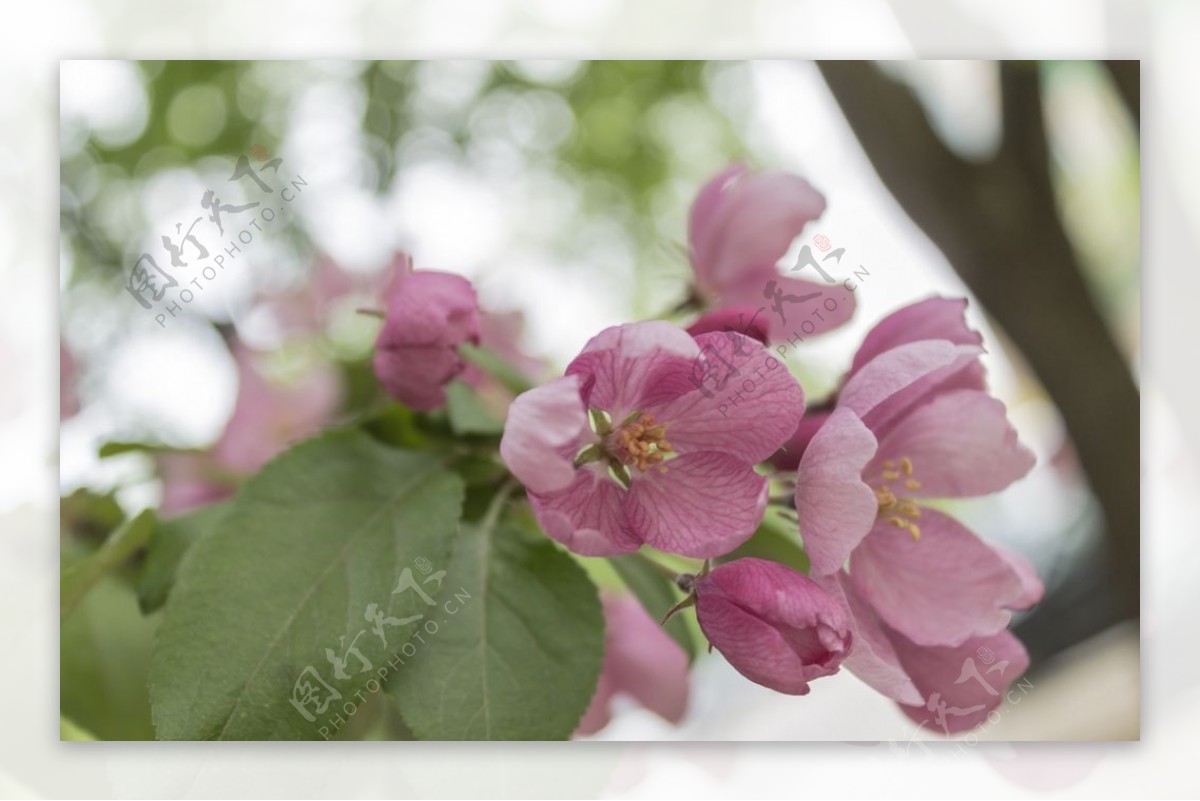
<point>788,457</point>
<point>627,367</point>
<point>429,314</point>
<point>747,320</point>
<point>805,308</point>
<point>599,711</point>
<point>891,383</point>
<point>941,589</point>
<point>1032,588</point>
<point>415,374</point>
<point>774,626</point>
<point>643,660</point>
<point>267,417</point>
<point>704,505</point>
<point>704,207</point>
<point>872,658</point>
<point>750,224</point>
<point>961,685</point>
<point>835,507</point>
<point>760,404</point>
<point>544,431</point>
<point>587,517</point>
<point>933,318</point>
<point>960,444</point>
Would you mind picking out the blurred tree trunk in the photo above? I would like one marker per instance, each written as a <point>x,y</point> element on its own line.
<point>998,224</point>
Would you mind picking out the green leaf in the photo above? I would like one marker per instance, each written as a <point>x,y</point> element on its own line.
<point>467,413</point>
<point>119,546</point>
<point>281,589</point>
<point>169,543</point>
<point>777,540</point>
<point>657,594</point>
<point>519,656</point>
<point>104,661</point>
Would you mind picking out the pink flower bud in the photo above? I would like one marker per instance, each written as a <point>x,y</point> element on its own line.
<point>429,314</point>
<point>775,626</point>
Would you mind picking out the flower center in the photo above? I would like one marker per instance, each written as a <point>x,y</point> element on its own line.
<point>641,442</point>
<point>899,511</point>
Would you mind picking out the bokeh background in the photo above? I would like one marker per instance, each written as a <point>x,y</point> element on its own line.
<point>561,188</point>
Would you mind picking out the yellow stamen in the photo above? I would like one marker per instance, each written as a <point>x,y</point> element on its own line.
<point>902,511</point>
<point>642,443</point>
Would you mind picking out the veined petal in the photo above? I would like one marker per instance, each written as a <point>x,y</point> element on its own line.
<point>587,517</point>
<point>872,657</point>
<point>836,508</point>
<point>774,626</point>
<point>790,307</point>
<point>701,225</point>
<point>960,444</point>
<point>768,408</point>
<point>961,684</point>
<point>751,223</point>
<point>704,505</point>
<point>628,367</point>
<point>932,318</point>
<point>942,589</point>
<point>789,455</point>
<point>891,385</point>
<point>544,430</point>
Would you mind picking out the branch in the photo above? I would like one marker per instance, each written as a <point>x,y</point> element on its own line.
<point>998,225</point>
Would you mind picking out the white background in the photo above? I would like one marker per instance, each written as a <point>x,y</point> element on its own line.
<point>33,762</point>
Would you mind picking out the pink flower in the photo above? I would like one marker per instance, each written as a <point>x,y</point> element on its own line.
<point>932,318</point>
<point>775,626</point>
<point>912,423</point>
<point>632,447</point>
<point>738,319</point>
<point>429,314</point>
<point>948,688</point>
<point>741,224</point>
<point>640,660</point>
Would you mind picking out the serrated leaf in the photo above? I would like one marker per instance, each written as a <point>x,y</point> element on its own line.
<point>279,591</point>
<point>520,656</point>
<point>169,543</point>
<point>657,594</point>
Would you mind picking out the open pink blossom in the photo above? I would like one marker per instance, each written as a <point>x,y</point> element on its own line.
<point>741,224</point>
<point>933,318</point>
<point>429,314</point>
<point>910,426</point>
<point>947,688</point>
<point>632,446</point>
<point>774,626</point>
<point>640,660</point>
